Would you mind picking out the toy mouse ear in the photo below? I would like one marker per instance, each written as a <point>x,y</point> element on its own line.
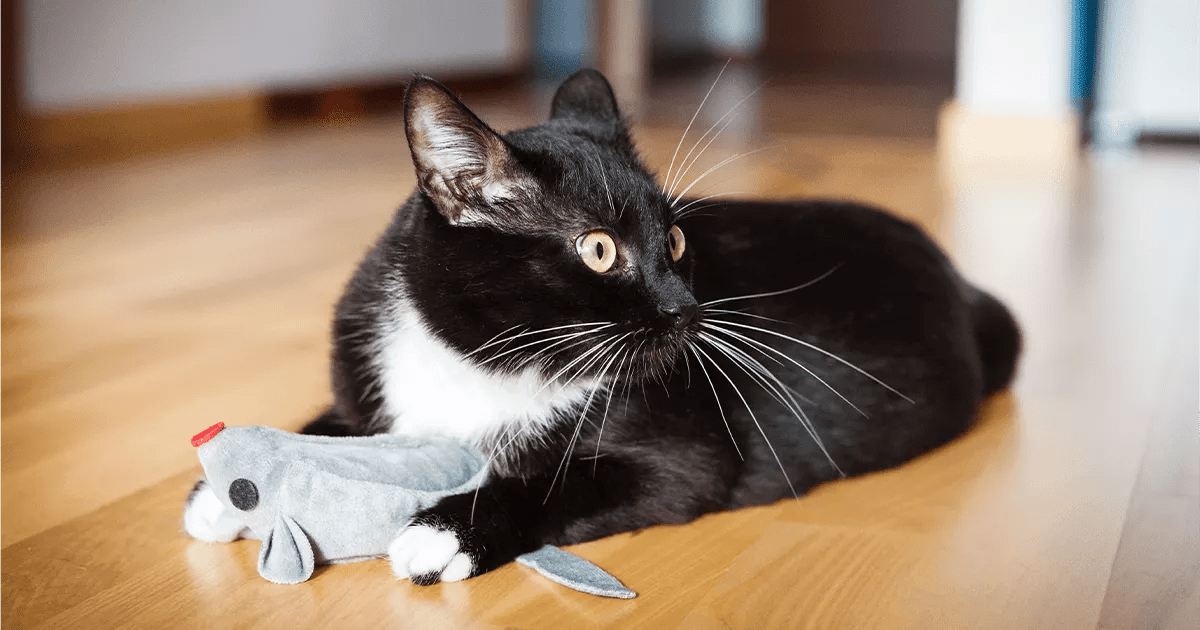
<point>286,556</point>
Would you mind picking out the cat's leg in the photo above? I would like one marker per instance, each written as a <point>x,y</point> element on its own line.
<point>465,535</point>
<point>206,518</point>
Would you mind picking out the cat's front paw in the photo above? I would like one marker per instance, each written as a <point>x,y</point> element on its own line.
<point>432,550</point>
<point>206,518</point>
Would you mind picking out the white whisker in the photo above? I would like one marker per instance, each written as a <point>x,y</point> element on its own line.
<point>761,345</point>
<point>594,353</point>
<point>554,379</point>
<point>609,345</point>
<point>682,170</point>
<point>717,397</point>
<point>775,387</point>
<point>693,120</point>
<point>495,340</point>
<point>750,411</point>
<point>820,350</point>
<point>687,368</point>
<point>691,202</point>
<point>544,355</point>
<point>564,338</point>
<point>608,403</point>
<point>744,314</point>
<point>564,465</point>
<point>774,293</point>
<point>732,158</point>
<point>607,193</point>
<point>496,450</point>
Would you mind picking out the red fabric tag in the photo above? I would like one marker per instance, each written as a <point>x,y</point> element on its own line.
<point>207,434</point>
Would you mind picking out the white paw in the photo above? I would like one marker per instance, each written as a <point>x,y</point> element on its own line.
<point>206,518</point>
<point>428,555</point>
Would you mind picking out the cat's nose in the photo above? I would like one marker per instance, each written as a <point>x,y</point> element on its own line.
<point>680,314</point>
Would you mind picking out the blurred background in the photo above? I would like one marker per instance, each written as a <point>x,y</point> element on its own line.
<point>88,79</point>
<point>187,186</point>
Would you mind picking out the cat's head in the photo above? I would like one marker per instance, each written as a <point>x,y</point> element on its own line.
<point>552,246</point>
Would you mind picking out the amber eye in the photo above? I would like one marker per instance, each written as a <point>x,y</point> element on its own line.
<point>597,250</point>
<point>676,242</point>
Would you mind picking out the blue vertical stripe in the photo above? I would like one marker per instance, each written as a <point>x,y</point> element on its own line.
<point>563,38</point>
<point>1083,51</point>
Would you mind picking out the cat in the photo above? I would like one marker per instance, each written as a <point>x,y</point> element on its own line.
<point>625,356</point>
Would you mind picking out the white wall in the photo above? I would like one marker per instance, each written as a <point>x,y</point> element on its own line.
<point>734,26</point>
<point>1148,69</point>
<point>725,26</point>
<point>1014,57</point>
<point>84,53</point>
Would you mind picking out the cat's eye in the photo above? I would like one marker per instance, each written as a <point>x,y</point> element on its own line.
<point>676,243</point>
<point>597,250</point>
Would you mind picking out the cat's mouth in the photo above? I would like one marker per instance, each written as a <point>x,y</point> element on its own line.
<point>659,354</point>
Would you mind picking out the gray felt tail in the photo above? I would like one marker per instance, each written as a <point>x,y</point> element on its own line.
<point>574,572</point>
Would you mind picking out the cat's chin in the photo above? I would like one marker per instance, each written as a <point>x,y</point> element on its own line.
<point>659,356</point>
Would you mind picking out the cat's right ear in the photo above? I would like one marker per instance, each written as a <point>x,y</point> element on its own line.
<point>585,95</point>
<point>463,166</point>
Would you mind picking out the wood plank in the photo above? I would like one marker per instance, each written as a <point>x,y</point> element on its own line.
<point>126,129</point>
<point>1156,573</point>
<point>146,300</point>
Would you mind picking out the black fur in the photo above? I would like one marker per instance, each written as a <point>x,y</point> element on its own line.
<point>665,449</point>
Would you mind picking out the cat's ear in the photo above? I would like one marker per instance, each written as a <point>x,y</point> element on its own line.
<point>467,169</point>
<point>585,95</point>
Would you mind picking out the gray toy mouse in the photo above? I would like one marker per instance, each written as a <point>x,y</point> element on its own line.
<point>319,500</point>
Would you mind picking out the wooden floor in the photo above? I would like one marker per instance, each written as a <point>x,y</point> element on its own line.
<point>146,300</point>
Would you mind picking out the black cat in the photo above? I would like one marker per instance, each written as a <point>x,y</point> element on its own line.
<point>626,361</point>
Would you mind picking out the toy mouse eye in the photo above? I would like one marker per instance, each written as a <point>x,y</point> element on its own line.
<point>243,494</point>
<point>597,250</point>
<point>676,243</point>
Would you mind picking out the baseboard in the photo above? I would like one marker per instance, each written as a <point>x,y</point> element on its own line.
<point>138,128</point>
<point>971,141</point>
<point>380,96</point>
<point>132,129</point>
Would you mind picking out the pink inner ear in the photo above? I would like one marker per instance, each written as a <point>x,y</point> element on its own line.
<point>207,434</point>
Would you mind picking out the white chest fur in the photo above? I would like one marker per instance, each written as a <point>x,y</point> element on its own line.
<point>430,388</point>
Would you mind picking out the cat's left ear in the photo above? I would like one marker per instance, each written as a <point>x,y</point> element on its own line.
<point>463,166</point>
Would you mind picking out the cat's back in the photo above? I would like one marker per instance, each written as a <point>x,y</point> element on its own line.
<point>876,291</point>
<point>767,240</point>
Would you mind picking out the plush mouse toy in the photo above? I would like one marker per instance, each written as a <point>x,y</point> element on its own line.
<point>316,500</point>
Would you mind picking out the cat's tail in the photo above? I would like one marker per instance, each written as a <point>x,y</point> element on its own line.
<point>999,339</point>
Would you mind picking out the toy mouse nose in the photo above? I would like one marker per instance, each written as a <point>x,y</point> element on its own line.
<point>207,434</point>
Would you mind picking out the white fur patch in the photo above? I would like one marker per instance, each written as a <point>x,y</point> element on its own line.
<point>459,568</point>
<point>494,191</point>
<point>431,389</point>
<point>420,550</point>
<point>206,518</point>
<point>451,152</point>
<point>447,148</point>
